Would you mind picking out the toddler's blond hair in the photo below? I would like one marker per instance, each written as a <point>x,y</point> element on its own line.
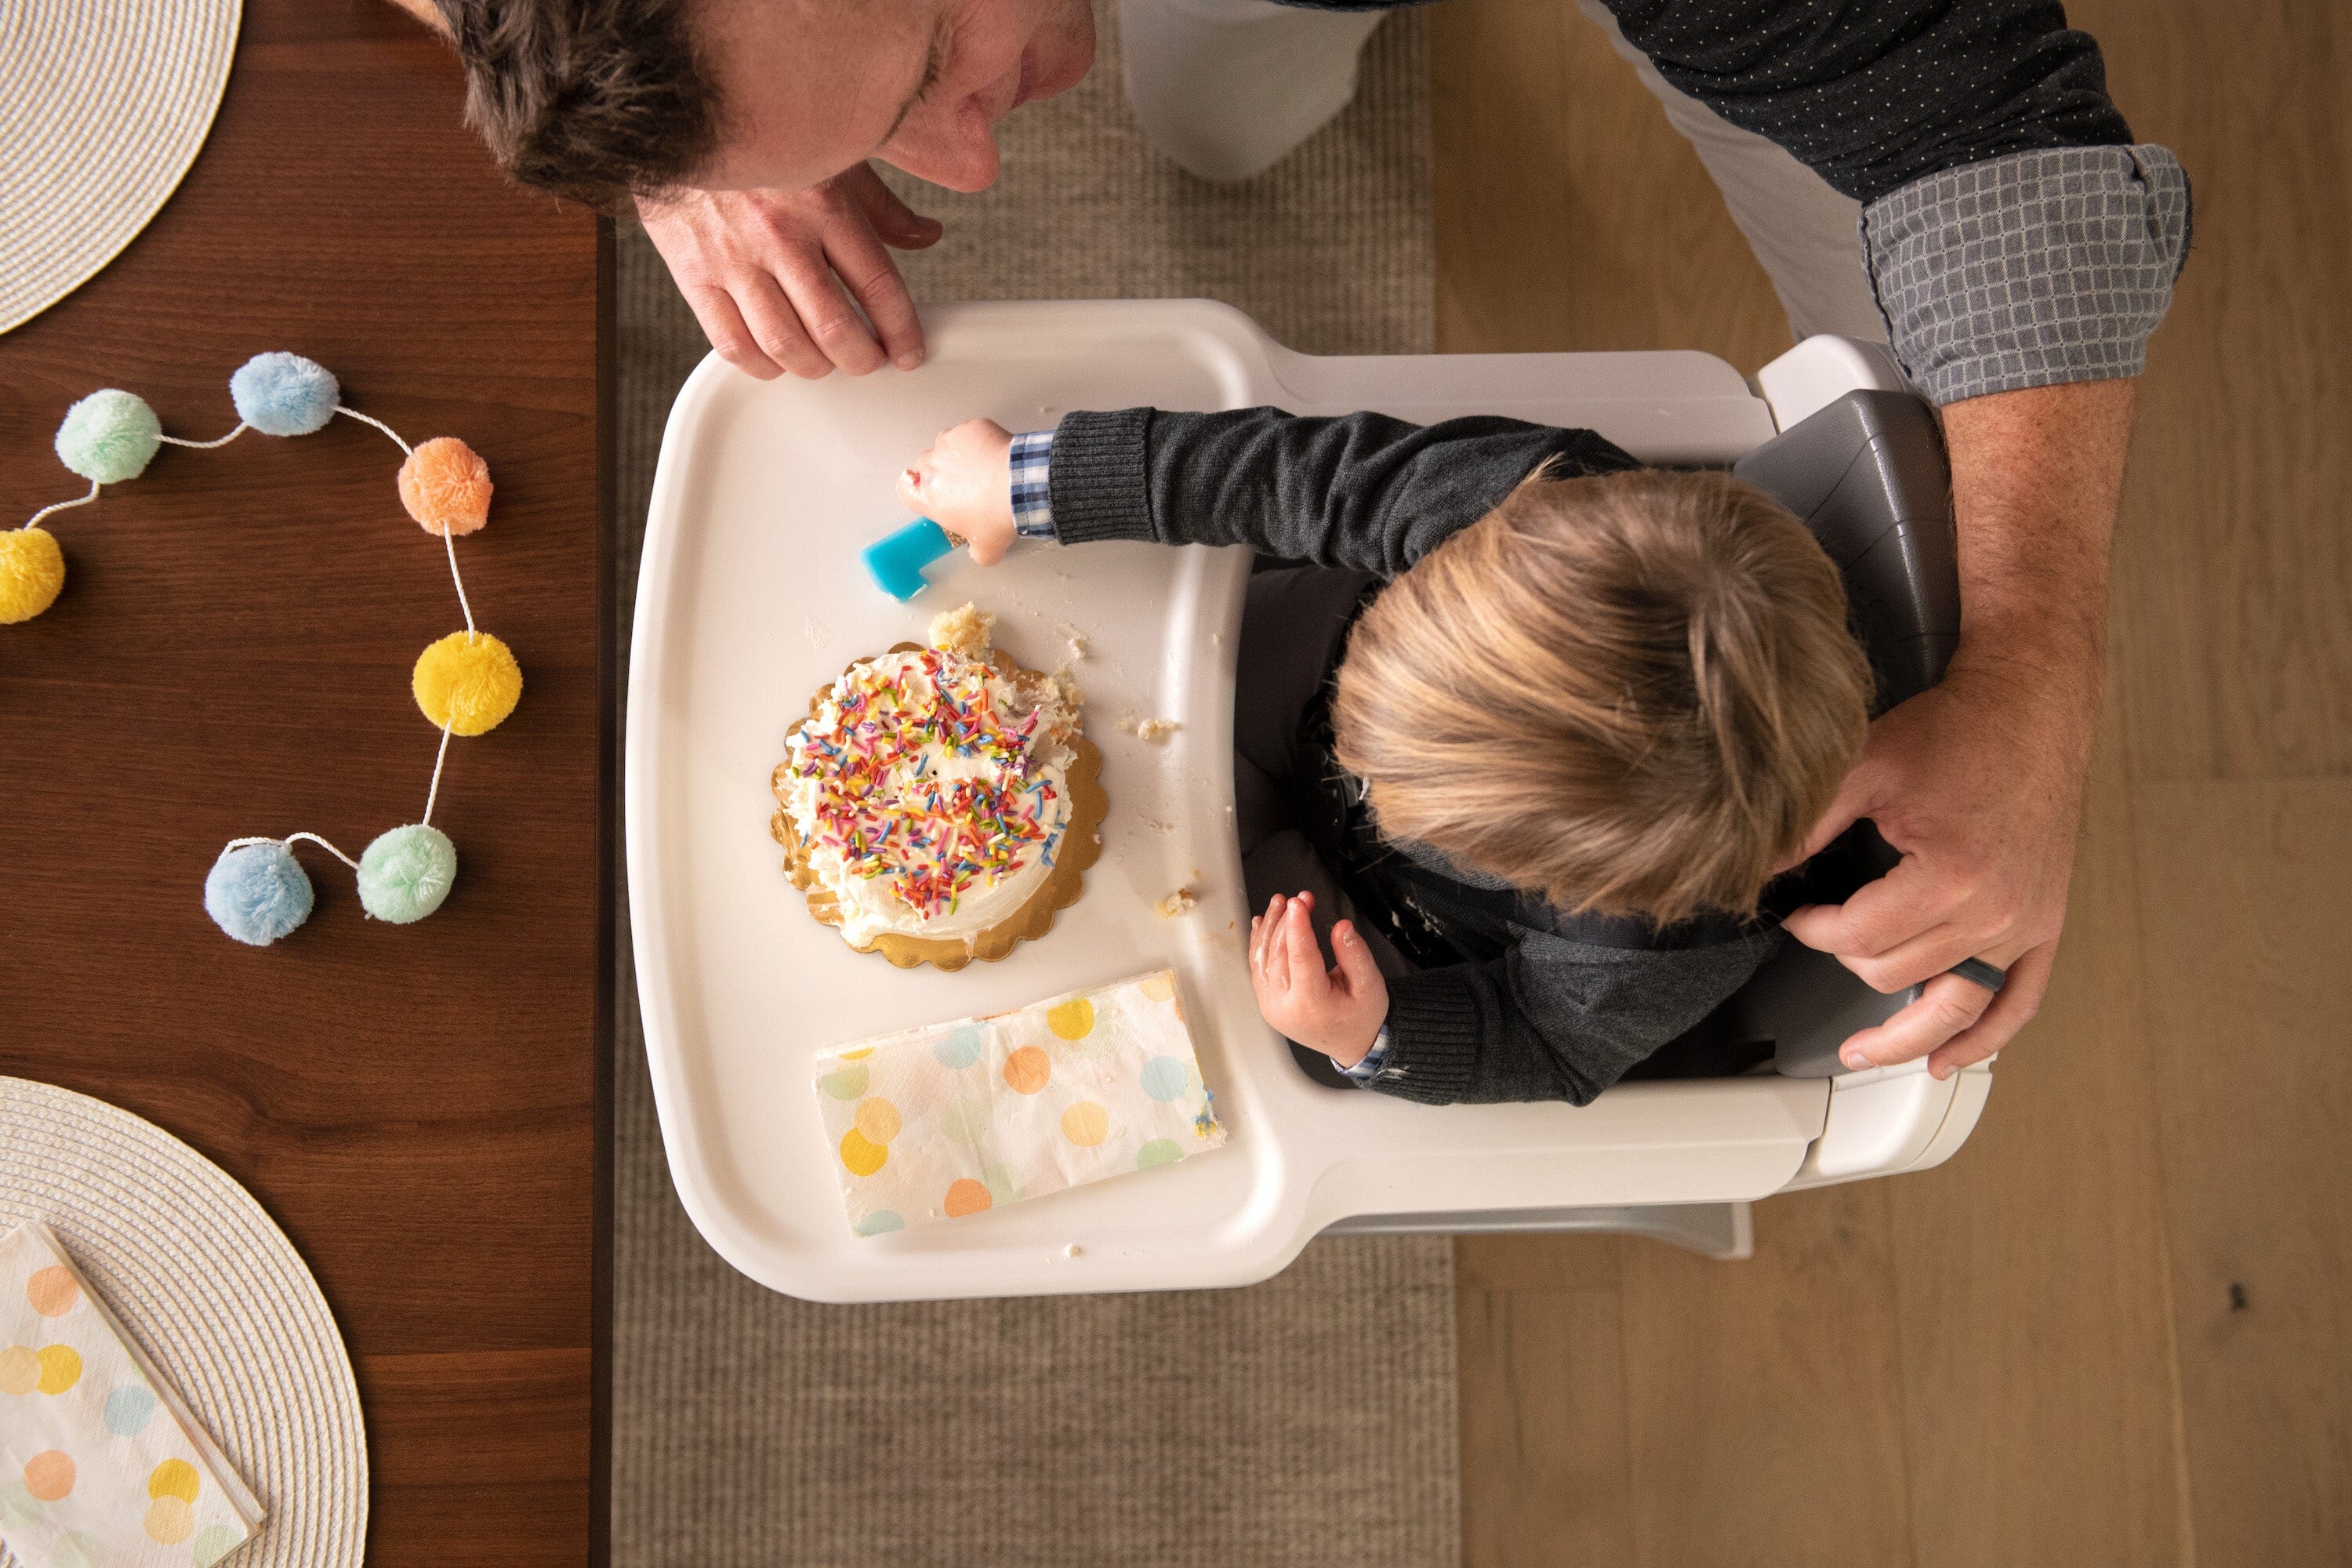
<point>1633,693</point>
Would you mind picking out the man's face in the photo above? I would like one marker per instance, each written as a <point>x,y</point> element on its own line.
<point>809,88</point>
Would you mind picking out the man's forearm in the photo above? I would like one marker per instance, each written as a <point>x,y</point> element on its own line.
<point>1978,781</point>
<point>2036,478</point>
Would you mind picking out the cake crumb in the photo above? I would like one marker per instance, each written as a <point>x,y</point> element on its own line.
<point>1175,904</point>
<point>964,629</point>
<point>1150,729</point>
<point>1165,829</point>
<point>1078,641</point>
<point>1072,1250</point>
<point>1071,691</point>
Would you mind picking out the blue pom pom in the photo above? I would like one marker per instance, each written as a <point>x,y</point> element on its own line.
<point>109,437</point>
<point>406,872</point>
<point>257,892</point>
<point>284,394</point>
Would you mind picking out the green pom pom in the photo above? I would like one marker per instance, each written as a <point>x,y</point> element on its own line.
<point>109,437</point>
<point>406,873</point>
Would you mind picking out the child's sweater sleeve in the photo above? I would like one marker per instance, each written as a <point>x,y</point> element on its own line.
<point>1551,1019</point>
<point>1364,490</point>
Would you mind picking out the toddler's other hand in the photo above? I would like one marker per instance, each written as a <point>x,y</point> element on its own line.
<point>964,483</point>
<point>1337,1012</point>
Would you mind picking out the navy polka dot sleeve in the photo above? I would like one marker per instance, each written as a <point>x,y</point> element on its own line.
<point>1874,94</point>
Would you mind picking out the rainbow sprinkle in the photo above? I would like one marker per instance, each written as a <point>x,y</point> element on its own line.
<point>881,806</point>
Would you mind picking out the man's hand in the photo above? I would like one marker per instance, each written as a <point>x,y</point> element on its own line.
<point>1979,781</point>
<point>772,275</point>
<point>1337,1012</point>
<point>963,482</point>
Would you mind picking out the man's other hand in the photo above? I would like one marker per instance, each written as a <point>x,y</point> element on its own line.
<point>1980,786</point>
<point>778,279</point>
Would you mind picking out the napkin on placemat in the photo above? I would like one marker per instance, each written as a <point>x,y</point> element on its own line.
<point>99,1462</point>
<point>947,1121</point>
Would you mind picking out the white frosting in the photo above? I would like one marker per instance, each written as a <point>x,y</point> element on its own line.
<point>869,904</point>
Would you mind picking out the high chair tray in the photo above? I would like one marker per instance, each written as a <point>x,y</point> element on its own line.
<point>751,596</point>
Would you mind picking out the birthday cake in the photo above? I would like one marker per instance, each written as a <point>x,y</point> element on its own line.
<point>940,804</point>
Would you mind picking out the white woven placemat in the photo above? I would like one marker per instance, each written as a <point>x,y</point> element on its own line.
<point>202,1277</point>
<point>103,105</point>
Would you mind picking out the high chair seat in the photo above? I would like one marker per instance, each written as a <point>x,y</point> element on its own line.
<point>750,597</point>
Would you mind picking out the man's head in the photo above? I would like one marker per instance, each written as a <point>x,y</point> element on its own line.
<point>1632,692</point>
<point>603,99</point>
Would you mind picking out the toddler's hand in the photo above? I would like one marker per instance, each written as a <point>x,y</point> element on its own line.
<point>964,483</point>
<point>1337,1012</point>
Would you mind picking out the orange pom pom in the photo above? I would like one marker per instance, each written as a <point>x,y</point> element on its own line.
<point>446,487</point>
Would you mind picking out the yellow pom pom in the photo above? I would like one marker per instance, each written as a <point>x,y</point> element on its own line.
<point>468,682</point>
<point>32,571</point>
<point>446,487</point>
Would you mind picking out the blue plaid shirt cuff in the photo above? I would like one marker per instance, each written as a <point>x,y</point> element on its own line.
<point>1363,1072</point>
<point>1033,494</point>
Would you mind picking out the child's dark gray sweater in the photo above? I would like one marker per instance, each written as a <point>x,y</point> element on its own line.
<point>1514,1000</point>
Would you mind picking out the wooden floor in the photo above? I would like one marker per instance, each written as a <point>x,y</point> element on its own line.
<point>2117,1327</point>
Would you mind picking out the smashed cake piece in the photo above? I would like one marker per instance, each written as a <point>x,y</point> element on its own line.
<point>966,629</point>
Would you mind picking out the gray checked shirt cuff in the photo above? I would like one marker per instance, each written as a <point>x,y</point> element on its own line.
<point>2030,269</point>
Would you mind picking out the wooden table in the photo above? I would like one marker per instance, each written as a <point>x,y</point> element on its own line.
<point>423,1108</point>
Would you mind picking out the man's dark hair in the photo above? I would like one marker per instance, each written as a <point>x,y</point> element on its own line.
<point>599,101</point>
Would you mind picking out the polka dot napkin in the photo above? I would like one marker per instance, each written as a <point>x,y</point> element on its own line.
<point>949,1121</point>
<point>99,1462</point>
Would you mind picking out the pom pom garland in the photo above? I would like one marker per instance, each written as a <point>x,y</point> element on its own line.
<point>109,437</point>
<point>467,683</point>
<point>446,487</point>
<point>257,892</point>
<point>406,873</point>
<point>284,394</point>
<point>32,571</point>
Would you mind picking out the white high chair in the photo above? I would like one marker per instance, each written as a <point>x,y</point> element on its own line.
<point>750,597</point>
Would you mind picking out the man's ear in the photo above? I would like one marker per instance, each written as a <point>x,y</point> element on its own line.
<point>427,12</point>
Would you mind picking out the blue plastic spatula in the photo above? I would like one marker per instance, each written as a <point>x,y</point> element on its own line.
<point>897,559</point>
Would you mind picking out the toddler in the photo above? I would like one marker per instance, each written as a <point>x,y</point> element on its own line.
<point>1524,734</point>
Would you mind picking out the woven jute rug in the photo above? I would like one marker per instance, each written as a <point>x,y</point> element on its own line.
<point>1309,1420</point>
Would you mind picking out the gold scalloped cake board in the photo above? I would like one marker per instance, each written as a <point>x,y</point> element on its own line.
<point>1081,846</point>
